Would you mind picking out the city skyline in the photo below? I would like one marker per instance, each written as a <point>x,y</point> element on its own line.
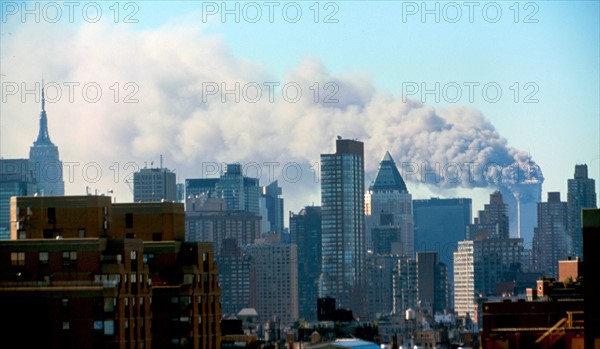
<point>172,118</point>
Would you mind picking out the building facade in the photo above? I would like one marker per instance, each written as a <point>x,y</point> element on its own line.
<point>154,184</point>
<point>551,241</point>
<point>464,279</point>
<point>581,194</point>
<point>305,231</point>
<point>389,217</point>
<point>342,226</point>
<point>439,225</point>
<point>432,283</point>
<point>17,178</point>
<point>274,281</point>
<point>273,204</point>
<point>44,156</point>
<point>405,285</point>
<point>79,276</point>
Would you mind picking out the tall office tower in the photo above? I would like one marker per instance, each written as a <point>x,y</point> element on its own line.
<point>44,155</point>
<point>17,178</point>
<point>180,192</point>
<point>405,285</point>
<point>550,239</point>
<point>464,279</point>
<point>380,271</point>
<point>439,225</point>
<point>274,280</point>
<point>305,231</point>
<point>234,277</point>
<point>343,224</point>
<point>154,184</point>
<point>273,203</point>
<point>390,220</point>
<point>240,193</point>
<point>581,194</point>
<point>496,212</point>
<point>432,282</point>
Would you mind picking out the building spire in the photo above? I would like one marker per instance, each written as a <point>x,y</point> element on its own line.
<point>43,98</point>
<point>43,135</point>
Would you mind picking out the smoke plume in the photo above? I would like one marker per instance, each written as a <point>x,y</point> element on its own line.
<point>171,70</point>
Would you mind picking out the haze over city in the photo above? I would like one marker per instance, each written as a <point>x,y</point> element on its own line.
<point>477,88</point>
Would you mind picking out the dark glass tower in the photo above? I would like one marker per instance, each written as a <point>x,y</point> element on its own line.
<point>581,194</point>
<point>305,231</point>
<point>44,156</point>
<point>343,224</point>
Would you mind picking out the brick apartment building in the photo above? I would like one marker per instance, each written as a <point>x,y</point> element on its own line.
<point>81,272</point>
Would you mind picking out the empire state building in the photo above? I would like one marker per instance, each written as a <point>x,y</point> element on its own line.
<point>44,155</point>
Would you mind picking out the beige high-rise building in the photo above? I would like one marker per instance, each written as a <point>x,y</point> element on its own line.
<point>274,281</point>
<point>464,279</point>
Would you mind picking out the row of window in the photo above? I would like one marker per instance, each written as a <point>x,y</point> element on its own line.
<point>18,258</point>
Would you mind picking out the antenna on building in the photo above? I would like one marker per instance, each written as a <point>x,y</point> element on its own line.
<point>161,161</point>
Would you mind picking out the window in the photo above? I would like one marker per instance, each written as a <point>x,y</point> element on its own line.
<point>17,259</point>
<point>156,236</point>
<point>66,325</point>
<point>128,220</point>
<point>109,304</point>
<point>69,257</point>
<point>65,302</point>
<point>51,215</point>
<point>133,255</point>
<point>81,232</point>
<point>98,325</point>
<point>43,257</point>
<point>109,327</point>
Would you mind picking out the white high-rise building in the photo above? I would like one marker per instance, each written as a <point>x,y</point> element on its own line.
<point>464,279</point>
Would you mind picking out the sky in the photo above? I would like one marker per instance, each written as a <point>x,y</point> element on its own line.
<point>271,85</point>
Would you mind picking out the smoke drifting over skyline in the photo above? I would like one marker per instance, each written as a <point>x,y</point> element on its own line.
<point>173,73</point>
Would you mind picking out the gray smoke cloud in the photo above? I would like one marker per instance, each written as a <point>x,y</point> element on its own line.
<point>172,72</point>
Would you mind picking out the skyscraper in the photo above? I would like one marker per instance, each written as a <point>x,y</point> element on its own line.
<point>405,285</point>
<point>44,155</point>
<point>432,282</point>
<point>464,279</point>
<point>439,225</point>
<point>17,178</point>
<point>305,231</point>
<point>380,272</point>
<point>240,193</point>
<point>273,280</point>
<point>342,202</point>
<point>154,184</point>
<point>273,204</point>
<point>390,220</point>
<point>550,239</point>
<point>496,212</point>
<point>581,194</point>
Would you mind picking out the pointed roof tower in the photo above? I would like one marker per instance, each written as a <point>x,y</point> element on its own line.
<point>388,177</point>
<point>43,135</point>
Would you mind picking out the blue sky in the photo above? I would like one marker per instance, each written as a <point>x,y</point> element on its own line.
<point>554,60</point>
